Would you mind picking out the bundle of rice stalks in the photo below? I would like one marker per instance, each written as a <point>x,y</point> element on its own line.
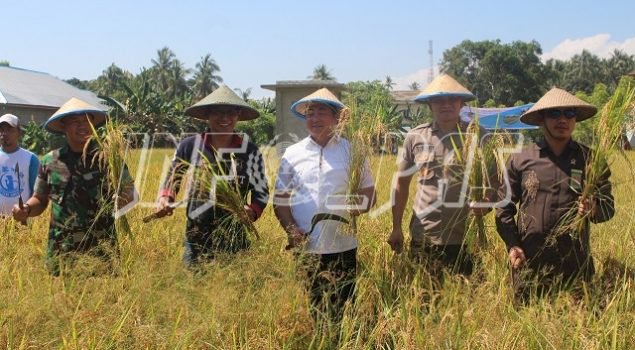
<point>607,141</point>
<point>110,157</point>
<point>227,194</point>
<point>478,158</point>
<point>364,131</point>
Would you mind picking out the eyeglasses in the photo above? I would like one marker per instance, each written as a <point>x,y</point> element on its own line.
<point>556,113</point>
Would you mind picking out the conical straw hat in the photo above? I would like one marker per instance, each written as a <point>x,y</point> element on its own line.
<point>322,95</point>
<point>72,107</point>
<point>223,96</point>
<point>558,98</point>
<point>444,86</point>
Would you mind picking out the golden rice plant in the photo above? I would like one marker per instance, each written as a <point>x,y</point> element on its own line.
<point>607,141</point>
<point>110,157</point>
<point>364,132</point>
<point>227,196</point>
<point>479,158</point>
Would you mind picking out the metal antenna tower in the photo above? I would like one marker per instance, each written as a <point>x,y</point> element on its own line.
<point>431,75</point>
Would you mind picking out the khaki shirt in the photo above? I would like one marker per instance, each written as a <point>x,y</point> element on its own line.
<point>440,204</point>
<point>546,188</point>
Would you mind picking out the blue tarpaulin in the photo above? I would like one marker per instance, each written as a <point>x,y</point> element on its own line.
<point>498,118</point>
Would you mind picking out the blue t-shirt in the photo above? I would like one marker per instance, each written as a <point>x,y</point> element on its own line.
<point>9,189</point>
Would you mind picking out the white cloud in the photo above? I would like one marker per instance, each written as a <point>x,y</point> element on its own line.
<point>600,45</point>
<point>421,76</point>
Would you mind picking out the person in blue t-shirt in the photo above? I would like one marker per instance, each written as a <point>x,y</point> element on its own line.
<point>11,154</point>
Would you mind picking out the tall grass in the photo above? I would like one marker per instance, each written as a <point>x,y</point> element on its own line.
<point>253,300</point>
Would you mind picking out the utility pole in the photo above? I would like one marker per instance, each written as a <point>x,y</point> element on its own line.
<point>431,75</point>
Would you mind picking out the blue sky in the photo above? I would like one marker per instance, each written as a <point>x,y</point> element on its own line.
<point>259,43</point>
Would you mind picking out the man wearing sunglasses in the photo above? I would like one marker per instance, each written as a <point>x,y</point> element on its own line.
<point>545,181</point>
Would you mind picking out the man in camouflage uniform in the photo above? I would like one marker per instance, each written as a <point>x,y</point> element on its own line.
<point>82,197</point>
<point>438,223</point>
<point>545,179</point>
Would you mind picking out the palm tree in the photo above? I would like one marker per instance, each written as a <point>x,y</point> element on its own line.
<point>389,83</point>
<point>584,70</point>
<point>414,86</point>
<point>205,79</point>
<point>619,64</point>
<point>321,73</point>
<point>162,68</point>
<point>244,94</point>
<point>110,80</point>
<point>178,82</point>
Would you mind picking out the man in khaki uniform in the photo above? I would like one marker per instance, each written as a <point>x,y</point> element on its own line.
<point>438,223</point>
<point>545,180</point>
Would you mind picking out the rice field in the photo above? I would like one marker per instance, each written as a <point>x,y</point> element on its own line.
<point>254,300</point>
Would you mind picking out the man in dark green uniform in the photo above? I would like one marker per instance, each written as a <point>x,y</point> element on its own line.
<point>545,180</point>
<point>81,194</point>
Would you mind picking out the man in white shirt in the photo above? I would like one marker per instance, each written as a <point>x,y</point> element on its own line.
<point>310,204</point>
<point>11,154</point>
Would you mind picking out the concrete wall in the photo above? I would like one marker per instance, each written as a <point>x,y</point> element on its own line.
<point>27,114</point>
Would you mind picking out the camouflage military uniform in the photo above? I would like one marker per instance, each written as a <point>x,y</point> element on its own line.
<point>81,205</point>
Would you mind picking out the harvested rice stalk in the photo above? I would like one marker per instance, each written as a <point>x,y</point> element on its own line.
<point>607,138</point>
<point>479,158</point>
<point>364,132</point>
<point>110,157</point>
<point>227,194</point>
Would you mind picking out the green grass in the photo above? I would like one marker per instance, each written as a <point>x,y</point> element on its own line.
<point>255,301</point>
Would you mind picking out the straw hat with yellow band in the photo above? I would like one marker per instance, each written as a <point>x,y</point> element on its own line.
<point>558,99</point>
<point>323,95</point>
<point>223,96</point>
<point>73,107</point>
<point>444,86</point>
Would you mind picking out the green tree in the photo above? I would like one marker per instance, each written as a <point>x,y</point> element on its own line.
<point>554,72</point>
<point>244,94</point>
<point>261,130</point>
<point>371,97</point>
<point>321,73</point>
<point>619,64</point>
<point>582,72</point>
<point>169,74</point>
<point>4,63</point>
<point>414,86</point>
<point>80,84</point>
<point>389,83</point>
<point>503,72</point>
<point>206,78</point>
<point>178,80</point>
<point>110,80</point>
